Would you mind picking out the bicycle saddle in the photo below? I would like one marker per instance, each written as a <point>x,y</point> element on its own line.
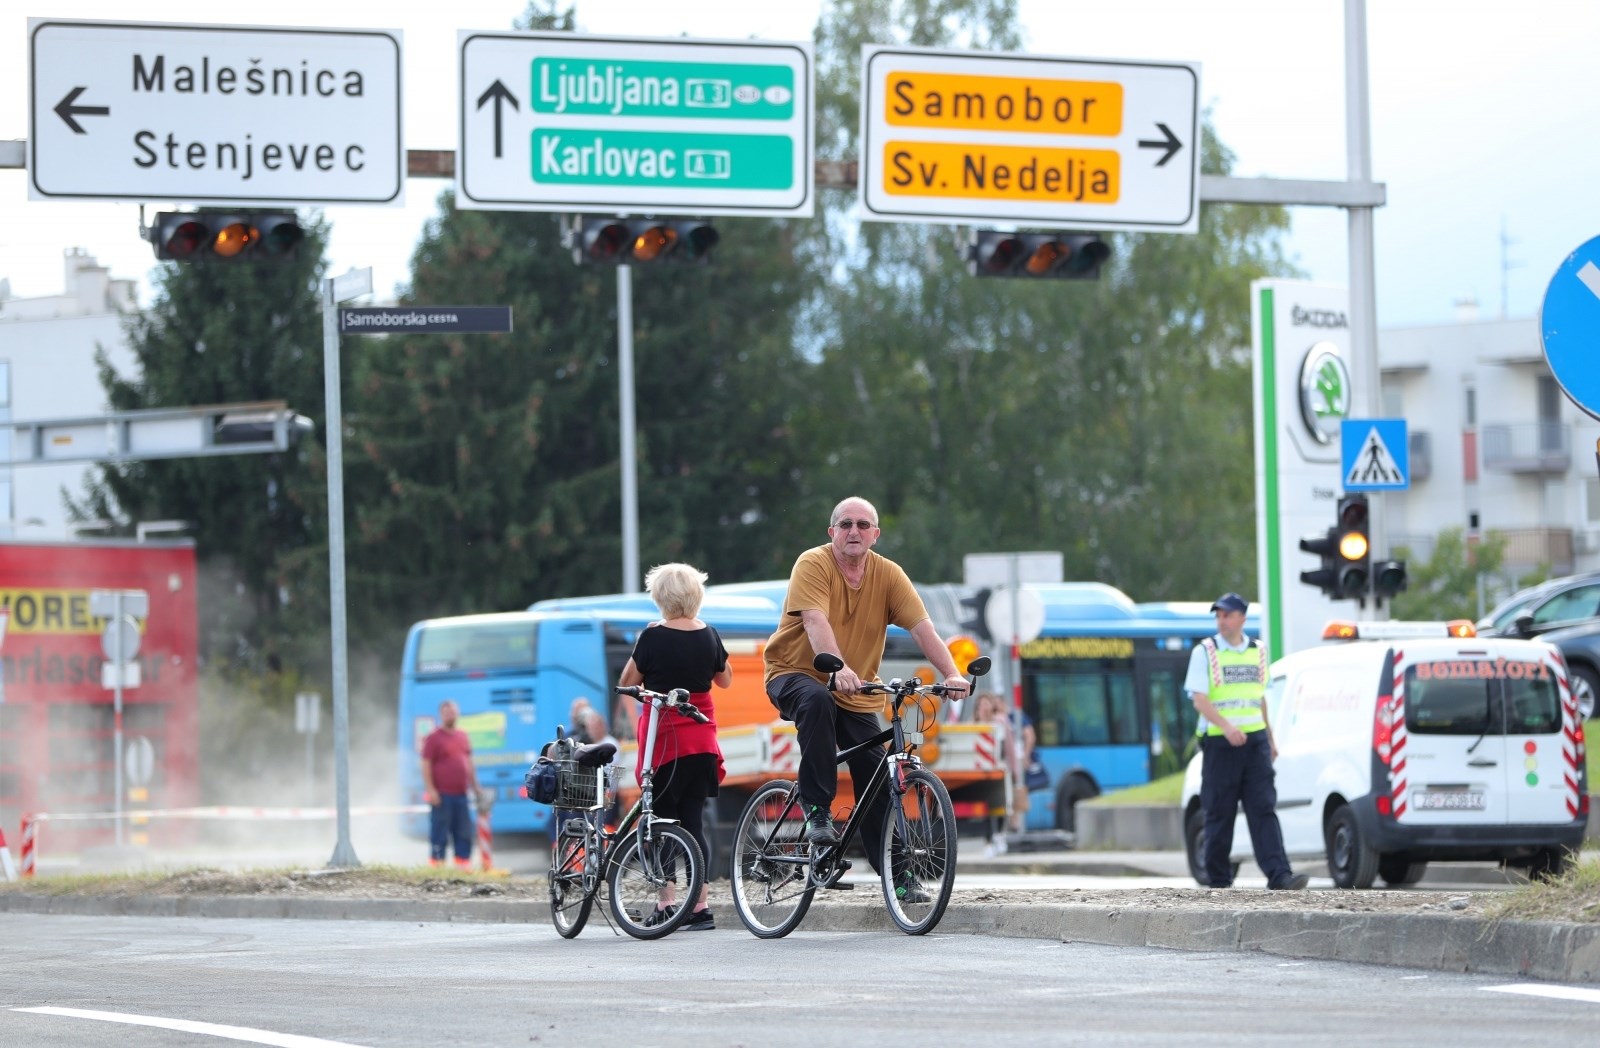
<point>595,754</point>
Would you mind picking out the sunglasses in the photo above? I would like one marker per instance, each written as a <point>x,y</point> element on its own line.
<point>860,525</point>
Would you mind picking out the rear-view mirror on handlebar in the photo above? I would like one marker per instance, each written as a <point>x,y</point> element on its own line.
<point>978,666</point>
<point>827,662</point>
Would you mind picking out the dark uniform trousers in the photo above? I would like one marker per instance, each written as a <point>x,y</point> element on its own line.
<point>1231,774</point>
<point>823,728</point>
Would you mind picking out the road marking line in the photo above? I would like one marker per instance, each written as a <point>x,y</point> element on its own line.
<point>232,1033</point>
<point>1564,993</point>
<point>1590,275</point>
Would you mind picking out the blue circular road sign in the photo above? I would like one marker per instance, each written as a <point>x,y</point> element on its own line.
<point>1569,326</point>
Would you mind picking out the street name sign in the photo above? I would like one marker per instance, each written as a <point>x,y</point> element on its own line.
<point>570,123</point>
<point>213,114</point>
<point>966,137</point>
<point>1569,326</point>
<point>424,320</point>
<point>1374,455</point>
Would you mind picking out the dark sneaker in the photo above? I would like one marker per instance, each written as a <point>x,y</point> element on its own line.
<point>1292,883</point>
<point>700,921</point>
<point>906,889</point>
<point>819,829</point>
<point>659,916</point>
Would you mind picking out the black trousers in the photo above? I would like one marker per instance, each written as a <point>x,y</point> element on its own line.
<point>681,788</point>
<point>1229,775</point>
<point>823,728</point>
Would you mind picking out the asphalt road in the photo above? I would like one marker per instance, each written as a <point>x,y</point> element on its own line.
<point>305,984</point>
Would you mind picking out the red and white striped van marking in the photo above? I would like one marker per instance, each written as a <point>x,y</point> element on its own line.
<point>1397,736</point>
<point>1569,736</point>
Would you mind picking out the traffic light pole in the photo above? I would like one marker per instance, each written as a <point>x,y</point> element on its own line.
<point>334,291</point>
<point>625,421</point>
<point>1363,282</point>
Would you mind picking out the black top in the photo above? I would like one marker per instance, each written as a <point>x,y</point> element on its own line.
<point>670,658</point>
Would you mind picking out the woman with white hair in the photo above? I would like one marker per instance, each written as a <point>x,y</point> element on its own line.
<point>681,651</point>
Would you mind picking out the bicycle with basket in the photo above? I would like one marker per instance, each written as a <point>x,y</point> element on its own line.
<point>776,872</point>
<point>643,859</point>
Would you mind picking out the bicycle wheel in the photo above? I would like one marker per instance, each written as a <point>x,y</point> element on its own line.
<point>919,853</point>
<point>771,890</point>
<point>639,873</point>
<point>569,902</point>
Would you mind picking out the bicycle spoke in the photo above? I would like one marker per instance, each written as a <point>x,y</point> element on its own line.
<point>770,889</point>
<point>664,872</point>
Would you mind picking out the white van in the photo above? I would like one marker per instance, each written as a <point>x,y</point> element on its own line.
<point>1429,744</point>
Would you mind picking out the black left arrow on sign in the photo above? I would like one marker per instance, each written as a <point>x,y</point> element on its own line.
<point>497,91</point>
<point>66,110</point>
<point>1170,143</point>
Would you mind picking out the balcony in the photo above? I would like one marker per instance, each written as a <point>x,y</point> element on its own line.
<point>1528,548</point>
<point>1527,447</point>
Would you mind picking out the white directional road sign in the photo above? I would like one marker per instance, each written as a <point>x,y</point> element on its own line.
<point>965,137</point>
<point>213,114</point>
<point>561,122</point>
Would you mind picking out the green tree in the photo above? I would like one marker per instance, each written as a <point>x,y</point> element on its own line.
<point>221,333</point>
<point>1446,585</point>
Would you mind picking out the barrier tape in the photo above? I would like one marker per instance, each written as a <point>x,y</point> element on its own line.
<point>30,823</point>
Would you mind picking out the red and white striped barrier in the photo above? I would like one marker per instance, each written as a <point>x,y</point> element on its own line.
<point>30,823</point>
<point>27,835</point>
<point>485,840</point>
<point>6,863</point>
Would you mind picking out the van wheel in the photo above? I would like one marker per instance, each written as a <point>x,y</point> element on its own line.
<point>1073,788</point>
<point>1352,862</point>
<point>1397,870</point>
<point>1550,863</point>
<point>1194,844</point>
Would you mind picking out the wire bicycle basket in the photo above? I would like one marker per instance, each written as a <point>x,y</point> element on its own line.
<point>578,788</point>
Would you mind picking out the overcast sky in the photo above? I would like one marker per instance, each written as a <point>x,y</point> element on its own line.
<point>1483,113</point>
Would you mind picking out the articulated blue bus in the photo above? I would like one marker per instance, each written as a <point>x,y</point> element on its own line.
<point>1103,685</point>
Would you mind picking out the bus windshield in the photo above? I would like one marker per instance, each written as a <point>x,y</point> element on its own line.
<point>476,646</point>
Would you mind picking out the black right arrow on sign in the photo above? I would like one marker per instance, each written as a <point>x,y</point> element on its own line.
<point>1170,143</point>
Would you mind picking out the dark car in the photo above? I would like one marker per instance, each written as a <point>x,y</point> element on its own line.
<point>1566,601</point>
<point>1580,646</point>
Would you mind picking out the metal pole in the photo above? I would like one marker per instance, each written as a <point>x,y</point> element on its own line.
<point>1368,402</point>
<point>629,461</point>
<point>116,716</point>
<point>344,854</point>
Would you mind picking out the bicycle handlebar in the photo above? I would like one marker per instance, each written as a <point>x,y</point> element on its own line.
<point>676,700</point>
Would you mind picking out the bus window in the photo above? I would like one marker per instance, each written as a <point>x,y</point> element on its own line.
<point>476,646</point>
<point>1085,708</point>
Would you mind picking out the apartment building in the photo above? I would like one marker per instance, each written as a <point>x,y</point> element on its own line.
<point>1494,443</point>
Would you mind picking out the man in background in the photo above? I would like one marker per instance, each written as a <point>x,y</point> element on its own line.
<point>447,776</point>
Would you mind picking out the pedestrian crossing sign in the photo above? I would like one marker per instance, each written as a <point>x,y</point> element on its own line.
<point>1374,454</point>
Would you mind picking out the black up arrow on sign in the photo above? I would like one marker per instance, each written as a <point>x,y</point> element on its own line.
<point>66,110</point>
<point>497,91</point>
<point>1170,144</point>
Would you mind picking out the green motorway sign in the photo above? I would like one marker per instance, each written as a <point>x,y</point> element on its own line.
<point>578,124</point>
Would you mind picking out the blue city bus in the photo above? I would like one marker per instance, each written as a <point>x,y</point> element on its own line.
<point>1103,686</point>
<point>515,674</point>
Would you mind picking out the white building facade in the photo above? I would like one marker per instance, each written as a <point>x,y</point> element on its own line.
<point>1495,445</point>
<point>48,371</point>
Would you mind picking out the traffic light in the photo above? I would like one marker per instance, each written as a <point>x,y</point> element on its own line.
<point>1388,579</point>
<point>1054,256</point>
<point>1326,577</point>
<point>1355,548</point>
<point>205,236</point>
<point>972,622</point>
<point>639,241</point>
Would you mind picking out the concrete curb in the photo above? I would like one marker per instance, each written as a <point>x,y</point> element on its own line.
<point>1530,949</point>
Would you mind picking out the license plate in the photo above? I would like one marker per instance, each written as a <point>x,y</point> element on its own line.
<point>1449,800</point>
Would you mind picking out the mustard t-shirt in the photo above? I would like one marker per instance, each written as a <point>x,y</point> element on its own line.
<point>859,617</point>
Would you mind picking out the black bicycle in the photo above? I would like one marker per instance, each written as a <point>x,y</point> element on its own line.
<point>776,872</point>
<point>644,861</point>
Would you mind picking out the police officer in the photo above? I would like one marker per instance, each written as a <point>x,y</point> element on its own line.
<point>1227,680</point>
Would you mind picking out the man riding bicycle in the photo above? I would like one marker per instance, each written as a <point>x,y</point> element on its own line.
<point>842,599</point>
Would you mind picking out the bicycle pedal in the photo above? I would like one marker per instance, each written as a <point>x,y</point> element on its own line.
<point>840,886</point>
